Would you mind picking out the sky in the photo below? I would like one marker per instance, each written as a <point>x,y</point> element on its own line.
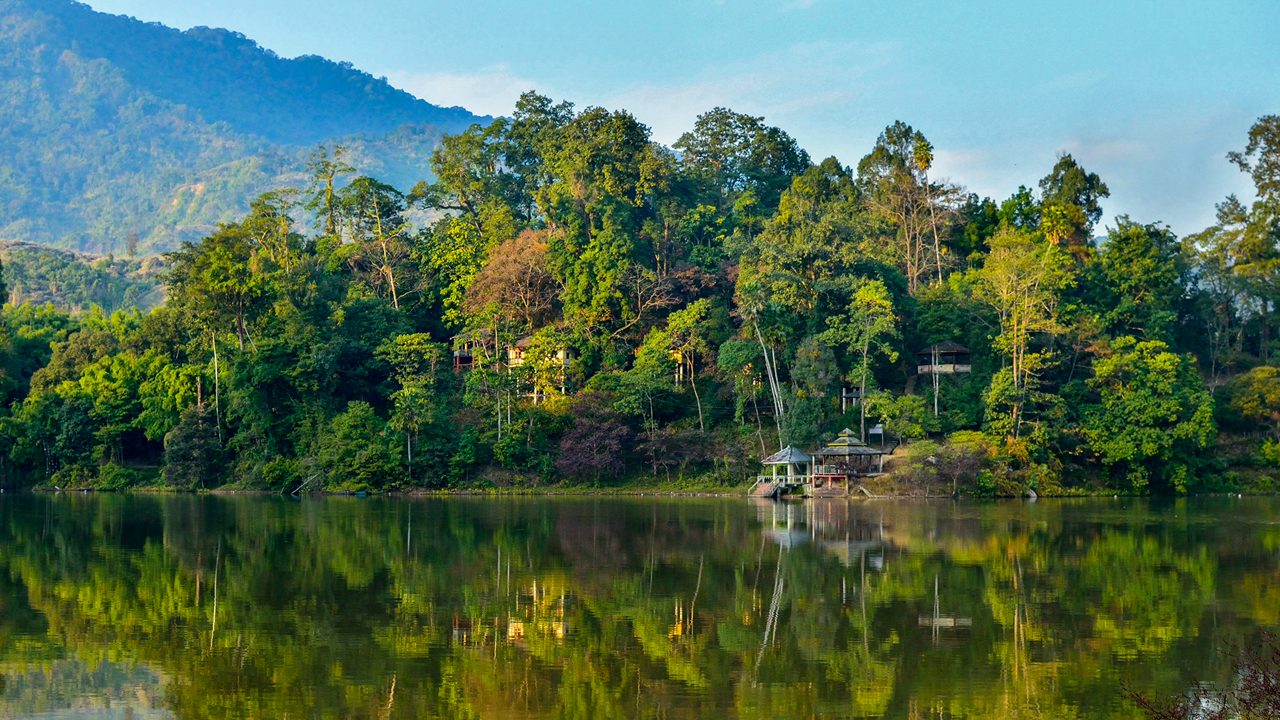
<point>1151,95</point>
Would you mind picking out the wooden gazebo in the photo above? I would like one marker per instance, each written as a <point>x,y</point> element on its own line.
<point>845,457</point>
<point>788,470</point>
<point>795,461</point>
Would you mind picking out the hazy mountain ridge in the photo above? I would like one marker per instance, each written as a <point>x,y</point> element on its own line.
<point>111,127</point>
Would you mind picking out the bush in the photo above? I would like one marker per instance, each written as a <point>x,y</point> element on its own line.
<point>115,477</point>
<point>594,448</point>
<point>962,459</point>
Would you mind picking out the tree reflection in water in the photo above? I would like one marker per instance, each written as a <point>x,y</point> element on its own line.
<point>598,608</point>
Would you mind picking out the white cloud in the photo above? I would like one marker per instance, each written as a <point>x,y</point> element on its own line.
<point>974,168</point>
<point>488,91</point>
<point>807,85</point>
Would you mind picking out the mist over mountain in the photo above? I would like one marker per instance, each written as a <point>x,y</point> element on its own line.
<point>119,136</point>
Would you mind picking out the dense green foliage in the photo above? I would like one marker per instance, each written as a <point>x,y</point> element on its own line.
<point>587,305</point>
<point>117,134</point>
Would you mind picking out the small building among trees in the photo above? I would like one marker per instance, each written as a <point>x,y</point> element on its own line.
<point>826,471</point>
<point>548,369</point>
<point>843,458</point>
<point>944,358</point>
<point>468,346</point>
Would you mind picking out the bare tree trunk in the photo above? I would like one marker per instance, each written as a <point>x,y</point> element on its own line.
<point>759,428</point>
<point>933,223</point>
<point>779,410</point>
<point>935,379</point>
<point>693,383</point>
<point>217,400</point>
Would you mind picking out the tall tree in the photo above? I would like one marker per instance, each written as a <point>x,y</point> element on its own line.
<point>515,283</point>
<point>216,281</point>
<point>1147,275</point>
<point>868,329</point>
<point>415,360</point>
<point>325,167</point>
<point>895,185</point>
<point>1261,157</point>
<point>1022,279</point>
<point>472,179</point>
<point>604,174</point>
<point>1070,184</point>
<point>373,213</point>
<point>687,330</point>
<point>733,154</point>
<point>1216,253</point>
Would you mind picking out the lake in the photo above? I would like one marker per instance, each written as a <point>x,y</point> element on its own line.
<point>135,606</point>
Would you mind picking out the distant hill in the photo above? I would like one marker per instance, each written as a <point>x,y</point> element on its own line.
<point>116,132</point>
<point>75,282</point>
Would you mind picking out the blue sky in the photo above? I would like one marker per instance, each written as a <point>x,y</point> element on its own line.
<point>1150,95</point>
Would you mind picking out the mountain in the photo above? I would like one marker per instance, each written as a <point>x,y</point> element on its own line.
<point>116,133</point>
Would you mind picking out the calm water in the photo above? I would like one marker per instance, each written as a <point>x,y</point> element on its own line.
<point>246,607</point>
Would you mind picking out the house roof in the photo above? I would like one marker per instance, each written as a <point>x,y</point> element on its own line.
<point>787,456</point>
<point>847,444</point>
<point>848,451</point>
<point>475,335</point>
<point>944,347</point>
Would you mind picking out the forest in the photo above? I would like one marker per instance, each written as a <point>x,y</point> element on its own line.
<point>568,302</point>
<point>43,275</point>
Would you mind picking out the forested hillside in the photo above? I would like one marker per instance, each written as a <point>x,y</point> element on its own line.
<point>77,283</point>
<point>592,307</point>
<point>117,135</point>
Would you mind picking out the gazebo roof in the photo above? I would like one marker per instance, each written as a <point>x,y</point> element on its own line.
<point>944,347</point>
<point>787,456</point>
<point>847,444</point>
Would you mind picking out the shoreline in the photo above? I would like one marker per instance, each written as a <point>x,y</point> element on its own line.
<point>581,492</point>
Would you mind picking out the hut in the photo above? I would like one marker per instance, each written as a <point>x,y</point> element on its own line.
<point>944,358</point>
<point>788,470</point>
<point>467,346</point>
<point>795,461</point>
<point>849,398</point>
<point>845,457</point>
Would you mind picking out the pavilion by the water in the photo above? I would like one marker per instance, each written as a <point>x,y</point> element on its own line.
<point>827,471</point>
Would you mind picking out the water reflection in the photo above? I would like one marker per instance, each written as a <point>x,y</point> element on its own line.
<point>222,607</point>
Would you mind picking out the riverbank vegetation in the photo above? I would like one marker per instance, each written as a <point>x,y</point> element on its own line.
<point>567,301</point>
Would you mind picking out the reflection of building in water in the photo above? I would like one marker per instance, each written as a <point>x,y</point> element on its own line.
<point>939,620</point>
<point>853,538</point>
<point>72,689</point>
<point>781,523</point>
<point>538,611</point>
